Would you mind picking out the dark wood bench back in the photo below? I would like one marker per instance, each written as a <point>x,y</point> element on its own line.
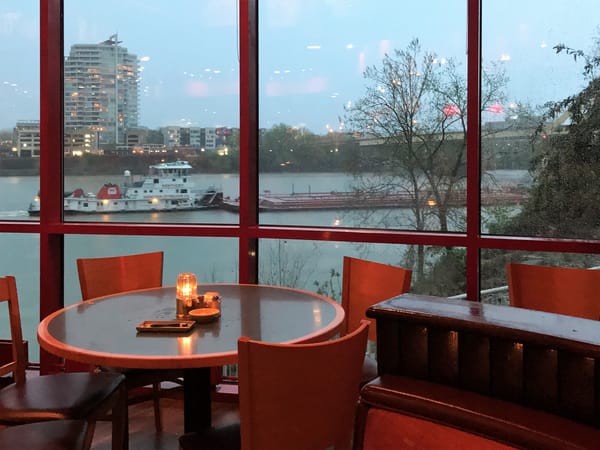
<point>539,360</point>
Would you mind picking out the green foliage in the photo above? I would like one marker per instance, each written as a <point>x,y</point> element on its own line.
<point>497,218</point>
<point>284,148</point>
<point>446,274</point>
<point>565,197</point>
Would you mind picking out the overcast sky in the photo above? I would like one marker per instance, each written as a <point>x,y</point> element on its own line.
<point>312,52</point>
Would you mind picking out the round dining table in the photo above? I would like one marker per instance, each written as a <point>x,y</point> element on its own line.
<point>104,332</point>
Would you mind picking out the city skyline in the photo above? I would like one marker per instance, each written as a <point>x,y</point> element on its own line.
<point>312,53</point>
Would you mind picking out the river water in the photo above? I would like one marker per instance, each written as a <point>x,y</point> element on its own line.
<point>302,264</point>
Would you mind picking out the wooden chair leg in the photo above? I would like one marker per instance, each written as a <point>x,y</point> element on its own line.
<point>89,437</point>
<point>156,400</point>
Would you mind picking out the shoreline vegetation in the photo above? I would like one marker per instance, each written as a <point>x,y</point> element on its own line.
<point>96,165</point>
<point>136,164</point>
<point>139,164</point>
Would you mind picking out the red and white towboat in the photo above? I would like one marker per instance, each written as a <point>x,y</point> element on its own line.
<point>167,187</point>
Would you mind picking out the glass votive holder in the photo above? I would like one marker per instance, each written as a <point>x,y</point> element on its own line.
<point>186,294</point>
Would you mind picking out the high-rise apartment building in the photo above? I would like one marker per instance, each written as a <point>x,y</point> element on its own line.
<point>101,89</point>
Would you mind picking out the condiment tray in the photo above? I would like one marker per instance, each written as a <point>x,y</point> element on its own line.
<point>170,326</point>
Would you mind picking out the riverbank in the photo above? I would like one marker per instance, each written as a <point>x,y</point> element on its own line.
<point>136,164</point>
<point>19,167</point>
<point>94,165</point>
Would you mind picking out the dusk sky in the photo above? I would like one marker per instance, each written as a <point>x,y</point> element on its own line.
<point>312,52</point>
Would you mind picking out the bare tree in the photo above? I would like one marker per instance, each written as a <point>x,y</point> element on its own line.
<point>414,111</point>
<point>284,264</point>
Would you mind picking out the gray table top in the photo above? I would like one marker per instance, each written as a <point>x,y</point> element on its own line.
<point>103,331</point>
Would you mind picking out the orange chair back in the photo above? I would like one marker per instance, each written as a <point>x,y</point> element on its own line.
<point>300,396</point>
<point>561,290</point>
<point>18,363</point>
<point>365,283</point>
<point>114,274</point>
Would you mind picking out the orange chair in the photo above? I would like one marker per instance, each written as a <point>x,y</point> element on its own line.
<point>60,401</point>
<point>293,396</point>
<point>114,274</point>
<point>365,283</point>
<point>561,290</point>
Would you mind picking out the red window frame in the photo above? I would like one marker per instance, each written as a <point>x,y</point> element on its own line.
<point>52,229</point>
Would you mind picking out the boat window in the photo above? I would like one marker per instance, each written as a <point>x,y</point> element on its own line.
<point>183,191</point>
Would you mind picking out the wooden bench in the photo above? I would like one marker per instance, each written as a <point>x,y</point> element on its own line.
<point>461,374</point>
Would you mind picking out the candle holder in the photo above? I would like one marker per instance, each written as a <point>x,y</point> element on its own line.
<point>187,295</point>
<point>208,308</point>
<point>212,300</point>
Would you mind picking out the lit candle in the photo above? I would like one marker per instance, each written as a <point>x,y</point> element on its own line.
<point>187,286</point>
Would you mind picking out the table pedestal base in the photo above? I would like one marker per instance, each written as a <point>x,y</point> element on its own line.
<point>197,399</point>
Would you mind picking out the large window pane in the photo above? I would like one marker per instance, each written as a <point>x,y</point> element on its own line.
<point>147,85</point>
<point>545,121</point>
<point>317,266</point>
<point>19,115</point>
<point>19,156</point>
<point>363,112</point>
<point>24,266</point>
<point>213,260</point>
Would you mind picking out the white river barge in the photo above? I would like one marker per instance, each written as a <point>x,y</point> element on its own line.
<point>167,187</point>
